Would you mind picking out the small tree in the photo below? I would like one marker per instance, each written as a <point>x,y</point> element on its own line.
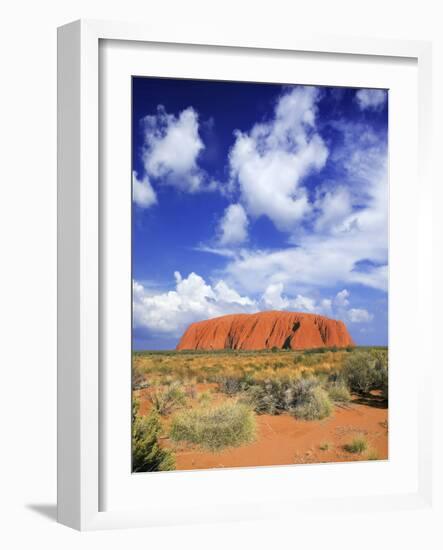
<point>147,455</point>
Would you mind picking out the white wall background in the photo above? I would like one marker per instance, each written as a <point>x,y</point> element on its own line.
<point>28,264</point>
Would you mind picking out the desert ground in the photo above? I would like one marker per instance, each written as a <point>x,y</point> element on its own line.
<point>222,409</point>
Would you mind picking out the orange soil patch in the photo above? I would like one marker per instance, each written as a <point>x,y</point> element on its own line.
<point>283,440</point>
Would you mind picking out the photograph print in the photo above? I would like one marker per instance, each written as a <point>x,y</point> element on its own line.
<point>259,274</point>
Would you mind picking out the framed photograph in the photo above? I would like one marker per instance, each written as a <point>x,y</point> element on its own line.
<point>242,270</point>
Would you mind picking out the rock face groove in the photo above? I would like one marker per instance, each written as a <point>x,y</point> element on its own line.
<point>266,330</point>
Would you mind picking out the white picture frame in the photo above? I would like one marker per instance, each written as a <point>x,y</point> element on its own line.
<point>79,261</point>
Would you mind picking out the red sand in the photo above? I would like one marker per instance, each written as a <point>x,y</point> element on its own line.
<point>284,440</point>
<point>265,330</point>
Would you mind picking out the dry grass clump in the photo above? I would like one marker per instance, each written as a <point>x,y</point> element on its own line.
<point>372,454</point>
<point>215,428</point>
<point>165,401</point>
<point>357,446</point>
<point>339,392</point>
<point>312,404</point>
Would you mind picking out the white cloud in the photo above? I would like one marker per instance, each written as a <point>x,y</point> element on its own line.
<point>233,227</point>
<point>270,162</point>
<point>272,297</point>
<point>341,298</point>
<point>304,303</point>
<point>359,316</point>
<point>335,206</point>
<point>192,300</point>
<point>371,99</point>
<point>351,226</point>
<point>228,295</point>
<point>142,192</point>
<point>171,148</point>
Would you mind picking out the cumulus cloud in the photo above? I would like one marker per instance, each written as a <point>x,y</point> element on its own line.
<point>172,145</point>
<point>233,227</point>
<point>192,300</point>
<point>350,224</point>
<point>371,99</point>
<point>359,316</point>
<point>341,298</point>
<point>142,192</point>
<point>272,297</point>
<point>334,206</point>
<point>270,161</point>
<point>337,306</point>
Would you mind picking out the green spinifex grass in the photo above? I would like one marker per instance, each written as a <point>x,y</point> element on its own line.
<point>357,446</point>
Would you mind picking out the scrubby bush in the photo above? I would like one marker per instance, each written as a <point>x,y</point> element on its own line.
<point>339,392</point>
<point>303,397</point>
<point>367,370</point>
<point>312,404</point>
<point>147,455</point>
<point>381,371</point>
<point>265,398</point>
<point>138,379</point>
<point>165,401</point>
<point>229,384</point>
<point>359,372</point>
<point>227,425</point>
<point>232,385</point>
<point>357,446</point>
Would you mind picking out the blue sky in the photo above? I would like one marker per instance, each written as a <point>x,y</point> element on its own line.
<point>248,197</point>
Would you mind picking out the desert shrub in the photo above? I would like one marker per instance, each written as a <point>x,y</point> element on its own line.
<point>324,446</point>
<point>138,379</point>
<point>165,401</point>
<point>234,384</point>
<point>367,370</point>
<point>227,425</point>
<point>266,397</point>
<point>357,446</point>
<point>303,397</point>
<point>339,392</point>
<point>312,404</point>
<point>381,371</point>
<point>147,455</point>
<point>359,372</point>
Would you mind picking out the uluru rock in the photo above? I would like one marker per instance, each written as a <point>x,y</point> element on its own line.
<point>265,330</point>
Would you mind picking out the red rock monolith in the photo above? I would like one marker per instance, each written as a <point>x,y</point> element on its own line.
<point>265,330</point>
